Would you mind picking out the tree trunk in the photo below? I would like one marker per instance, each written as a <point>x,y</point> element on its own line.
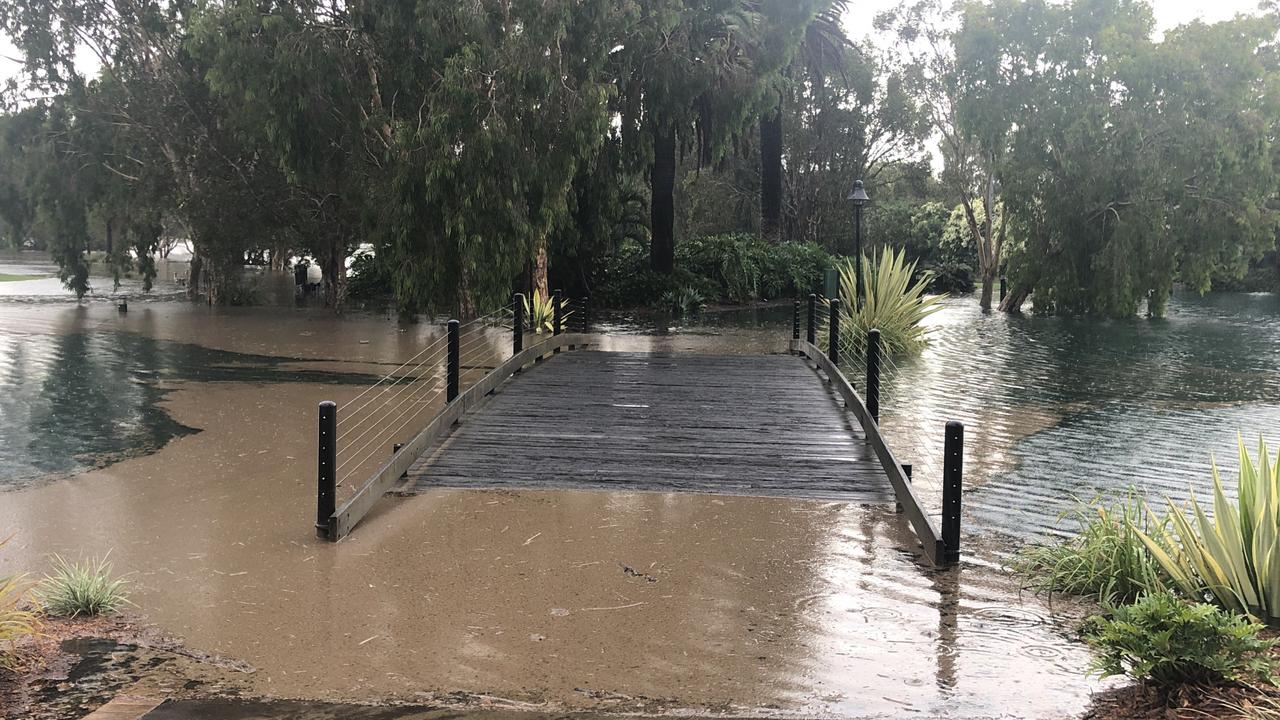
<point>662,205</point>
<point>333,269</point>
<point>988,285</point>
<point>1014,300</point>
<point>540,287</point>
<point>771,174</point>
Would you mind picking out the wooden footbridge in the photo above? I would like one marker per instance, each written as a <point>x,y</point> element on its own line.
<point>558,414</point>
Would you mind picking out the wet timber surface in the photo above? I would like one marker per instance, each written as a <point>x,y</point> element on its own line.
<point>741,425</point>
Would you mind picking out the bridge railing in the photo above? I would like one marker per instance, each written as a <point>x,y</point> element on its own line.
<point>405,411</point>
<point>816,335</point>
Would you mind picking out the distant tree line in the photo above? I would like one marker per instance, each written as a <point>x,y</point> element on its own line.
<point>493,145</point>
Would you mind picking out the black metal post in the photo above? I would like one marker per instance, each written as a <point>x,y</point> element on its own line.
<point>452,388</point>
<point>873,374</point>
<point>906,470</point>
<point>952,486</point>
<point>586,314</point>
<point>795,321</point>
<point>557,320</point>
<point>517,326</point>
<point>833,333</point>
<point>1003,291</point>
<point>857,254</point>
<point>327,485</point>
<point>812,335</point>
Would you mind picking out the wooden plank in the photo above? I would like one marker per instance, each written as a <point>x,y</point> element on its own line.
<point>350,513</point>
<point>744,425</point>
<point>930,538</point>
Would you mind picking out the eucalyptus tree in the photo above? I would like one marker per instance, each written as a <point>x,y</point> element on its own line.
<point>1139,163</point>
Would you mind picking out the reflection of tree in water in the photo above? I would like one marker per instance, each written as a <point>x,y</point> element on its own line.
<point>96,403</point>
<point>81,400</point>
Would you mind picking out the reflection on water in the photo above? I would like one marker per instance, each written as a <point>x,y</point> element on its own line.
<point>85,399</point>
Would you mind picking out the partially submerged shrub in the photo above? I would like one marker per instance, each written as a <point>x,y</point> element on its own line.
<point>683,302</point>
<point>539,312</point>
<point>1106,559</point>
<point>892,302</point>
<point>1235,554</point>
<point>1166,641</point>
<point>75,589</point>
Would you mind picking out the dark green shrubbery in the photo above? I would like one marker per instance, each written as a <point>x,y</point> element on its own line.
<point>1168,641</point>
<point>734,268</point>
<point>368,279</point>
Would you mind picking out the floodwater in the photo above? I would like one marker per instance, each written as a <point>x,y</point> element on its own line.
<point>567,600</point>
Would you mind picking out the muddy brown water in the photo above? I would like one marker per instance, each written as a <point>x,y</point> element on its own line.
<point>565,599</point>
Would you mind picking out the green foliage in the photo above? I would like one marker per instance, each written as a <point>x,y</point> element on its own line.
<point>369,279</point>
<point>1167,641</point>
<point>893,301</point>
<point>75,589</point>
<point>734,268</point>
<point>539,313</point>
<point>1104,559</point>
<point>683,302</point>
<point>1235,554</point>
<point>16,621</point>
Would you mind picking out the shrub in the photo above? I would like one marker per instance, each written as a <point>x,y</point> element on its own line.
<point>1235,555</point>
<point>1166,641</point>
<point>75,589</point>
<point>539,313</point>
<point>680,303</point>
<point>892,302</point>
<point>368,278</point>
<point>951,278</point>
<point>1105,559</point>
<point>15,621</point>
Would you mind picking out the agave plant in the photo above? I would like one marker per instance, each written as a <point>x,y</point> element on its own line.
<point>539,312</point>
<point>1234,555</point>
<point>683,302</point>
<point>891,302</point>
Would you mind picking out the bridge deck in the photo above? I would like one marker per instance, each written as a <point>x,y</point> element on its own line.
<point>750,425</point>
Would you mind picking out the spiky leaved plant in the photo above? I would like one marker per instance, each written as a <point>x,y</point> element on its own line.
<point>891,302</point>
<point>74,589</point>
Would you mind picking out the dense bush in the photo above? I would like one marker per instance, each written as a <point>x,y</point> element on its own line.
<point>1167,641</point>
<point>368,278</point>
<point>1106,559</point>
<point>952,278</point>
<point>735,268</point>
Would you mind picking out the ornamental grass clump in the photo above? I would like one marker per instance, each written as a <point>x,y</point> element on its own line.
<point>892,302</point>
<point>1233,556</point>
<point>16,622</point>
<point>75,589</point>
<point>1105,559</point>
<point>1164,640</point>
<point>540,312</point>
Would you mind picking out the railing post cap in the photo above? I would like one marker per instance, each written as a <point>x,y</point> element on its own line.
<point>955,426</point>
<point>327,404</point>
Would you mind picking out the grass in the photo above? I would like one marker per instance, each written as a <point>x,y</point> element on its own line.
<point>15,621</point>
<point>75,589</point>
<point>1105,560</point>
<point>8,277</point>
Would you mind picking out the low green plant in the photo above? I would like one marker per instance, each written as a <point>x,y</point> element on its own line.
<point>683,302</point>
<point>1104,559</point>
<point>892,302</point>
<point>74,589</point>
<point>1167,641</point>
<point>16,621</point>
<point>1234,556</point>
<point>539,312</point>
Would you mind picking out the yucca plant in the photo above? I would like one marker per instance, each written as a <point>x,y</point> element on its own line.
<point>1233,556</point>
<point>891,302</point>
<point>539,313</point>
<point>683,302</point>
<point>75,589</point>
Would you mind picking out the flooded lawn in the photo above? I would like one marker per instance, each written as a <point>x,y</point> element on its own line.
<point>182,438</point>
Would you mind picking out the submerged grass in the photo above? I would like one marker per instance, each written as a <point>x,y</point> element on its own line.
<point>1105,560</point>
<point>75,589</point>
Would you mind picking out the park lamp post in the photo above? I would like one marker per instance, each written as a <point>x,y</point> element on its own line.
<point>859,198</point>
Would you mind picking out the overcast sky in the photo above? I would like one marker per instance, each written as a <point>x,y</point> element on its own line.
<point>1169,13</point>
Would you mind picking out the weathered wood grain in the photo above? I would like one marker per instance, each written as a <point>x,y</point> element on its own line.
<point>750,425</point>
